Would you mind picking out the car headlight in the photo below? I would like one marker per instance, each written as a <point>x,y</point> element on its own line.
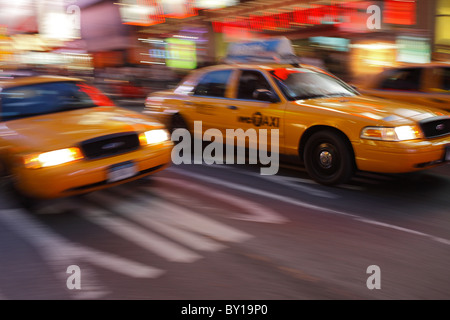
<point>401,133</point>
<point>153,137</point>
<point>52,158</point>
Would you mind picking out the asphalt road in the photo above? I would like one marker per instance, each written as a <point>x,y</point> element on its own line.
<point>226,232</point>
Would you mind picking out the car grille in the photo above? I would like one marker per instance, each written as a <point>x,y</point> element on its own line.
<point>110,145</point>
<point>435,127</point>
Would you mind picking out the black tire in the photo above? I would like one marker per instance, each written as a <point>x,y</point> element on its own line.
<point>177,122</point>
<point>8,186</point>
<point>328,158</point>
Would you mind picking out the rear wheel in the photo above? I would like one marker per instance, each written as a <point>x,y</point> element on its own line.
<point>178,122</point>
<point>328,158</point>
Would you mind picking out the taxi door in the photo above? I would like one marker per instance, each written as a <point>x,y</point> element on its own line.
<point>257,105</point>
<point>209,101</point>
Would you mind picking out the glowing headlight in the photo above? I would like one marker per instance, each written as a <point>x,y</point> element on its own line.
<point>52,158</point>
<point>401,133</point>
<point>153,137</point>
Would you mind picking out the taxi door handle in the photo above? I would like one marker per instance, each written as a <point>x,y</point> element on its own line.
<point>232,107</point>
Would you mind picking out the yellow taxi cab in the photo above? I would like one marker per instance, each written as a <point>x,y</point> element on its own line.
<point>60,136</point>
<point>322,121</point>
<point>423,84</point>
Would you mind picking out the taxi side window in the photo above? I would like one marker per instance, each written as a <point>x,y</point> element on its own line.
<point>250,81</point>
<point>213,84</point>
<point>403,80</point>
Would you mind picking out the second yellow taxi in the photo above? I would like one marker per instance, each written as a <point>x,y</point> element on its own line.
<point>322,121</point>
<point>425,84</point>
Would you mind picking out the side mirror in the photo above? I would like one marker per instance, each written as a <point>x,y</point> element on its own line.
<point>264,95</point>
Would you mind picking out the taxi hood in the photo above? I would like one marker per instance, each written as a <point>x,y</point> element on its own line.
<point>68,128</point>
<point>385,111</point>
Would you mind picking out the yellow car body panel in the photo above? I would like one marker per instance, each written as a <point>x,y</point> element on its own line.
<point>48,132</point>
<point>432,90</point>
<point>297,119</point>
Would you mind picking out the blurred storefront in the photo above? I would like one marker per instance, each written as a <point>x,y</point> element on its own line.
<point>167,38</point>
<point>352,39</point>
<point>42,36</point>
<point>442,27</point>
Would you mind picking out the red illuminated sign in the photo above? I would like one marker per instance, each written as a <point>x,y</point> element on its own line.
<point>400,12</point>
<point>324,14</point>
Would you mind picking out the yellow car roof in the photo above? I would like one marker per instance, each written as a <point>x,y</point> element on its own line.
<point>23,81</point>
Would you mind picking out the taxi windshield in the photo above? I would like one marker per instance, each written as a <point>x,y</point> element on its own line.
<point>298,84</point>
<point>50,97</point>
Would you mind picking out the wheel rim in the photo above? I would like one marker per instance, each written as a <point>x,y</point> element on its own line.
<point>326,159</point>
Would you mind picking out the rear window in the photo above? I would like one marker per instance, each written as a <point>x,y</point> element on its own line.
<point>403,80</point>
<point>213,84</point>
<point>50,97</point>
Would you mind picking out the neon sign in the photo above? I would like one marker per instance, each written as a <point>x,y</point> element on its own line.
<point>324,14</point>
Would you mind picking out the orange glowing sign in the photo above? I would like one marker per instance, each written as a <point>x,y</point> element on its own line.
<point>322,14</point>
<point>400,12</point>
<point>141,12</point>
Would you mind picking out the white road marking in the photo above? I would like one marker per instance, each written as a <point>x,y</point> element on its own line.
<point>390,226</point>
<point>255,212</point>
<point>309,181</point>
<point>60,253</point>
<point>281,180</point>
<point>136,234</point>
<point>156,219</point>
<point>180,218</point>
<point>305,204</point>
<point>262,193</point>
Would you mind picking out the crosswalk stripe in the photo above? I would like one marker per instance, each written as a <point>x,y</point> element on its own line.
<point>178,217</point>
<point>187,219</point>
<point>119,264</point>
<point>254,211</point>
<point>153,219</point>
<point>136,234</point>
<point>60,253</point>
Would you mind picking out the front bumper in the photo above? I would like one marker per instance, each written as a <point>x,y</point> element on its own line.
<point>89,175</point>
<point>400,157</point>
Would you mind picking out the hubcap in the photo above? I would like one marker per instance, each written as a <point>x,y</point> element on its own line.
<point>326,159</point>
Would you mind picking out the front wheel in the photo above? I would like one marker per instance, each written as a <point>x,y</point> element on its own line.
<point>328,158</point>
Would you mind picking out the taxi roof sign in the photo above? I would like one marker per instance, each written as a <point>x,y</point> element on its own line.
<point>276,50</point>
